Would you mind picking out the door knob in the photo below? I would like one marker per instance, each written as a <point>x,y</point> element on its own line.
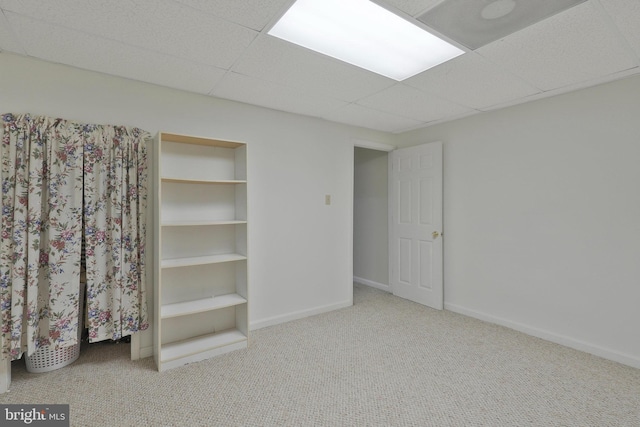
<point>435,235</point>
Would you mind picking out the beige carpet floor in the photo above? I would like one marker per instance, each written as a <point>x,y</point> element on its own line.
<point>383,362</point>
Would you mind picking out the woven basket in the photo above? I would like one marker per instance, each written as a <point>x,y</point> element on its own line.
<point>45,359</point>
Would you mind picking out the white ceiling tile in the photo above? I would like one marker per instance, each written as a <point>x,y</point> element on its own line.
<point>626,16</point>
<point>472,81</point>
<point>411,7</point>
<point>160,25</point>
<point>287,64</point>
<point>8,41</point>
<point>249,13</point>
<point>358,115</point>
<point>9,4</point>
<point>271,95</point>
<point>70,47</point>
<point>93,17</point>
<point>187,44</point>
<point>571,47</point>
<point>404,101</point>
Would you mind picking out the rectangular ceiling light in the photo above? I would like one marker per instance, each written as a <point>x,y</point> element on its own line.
<point>364,34</point>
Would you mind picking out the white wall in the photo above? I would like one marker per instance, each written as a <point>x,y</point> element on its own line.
<point>370,218</point>
<point>542,217</point>
<point>542,207</point>
<point>300,249</point>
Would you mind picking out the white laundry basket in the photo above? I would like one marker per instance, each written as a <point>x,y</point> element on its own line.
<point>47,359</point>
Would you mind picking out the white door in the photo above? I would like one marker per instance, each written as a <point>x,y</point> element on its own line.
<point>415,224</point>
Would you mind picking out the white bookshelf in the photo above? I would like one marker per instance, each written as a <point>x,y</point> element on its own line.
<point>201,280</point>
<point>200,222</point>
<point>201,347</point>
<point>203,181</point>
<point>200,260</point>
<point>201,305</point>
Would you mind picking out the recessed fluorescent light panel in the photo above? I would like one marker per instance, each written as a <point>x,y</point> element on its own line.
<point>364,34</point>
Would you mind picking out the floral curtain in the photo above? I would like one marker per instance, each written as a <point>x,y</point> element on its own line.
<point>48,166</point>
<point>41,232</point>
<point>115,194</point>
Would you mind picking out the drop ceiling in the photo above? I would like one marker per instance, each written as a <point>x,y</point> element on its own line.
<point>222,49</point>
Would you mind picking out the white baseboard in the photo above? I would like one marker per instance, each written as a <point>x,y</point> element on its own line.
<point>146,352</point>
<point>276,320</point>
<point>605,353</point>
<point>373,284</point>
<point>5,374</point>
<point>137,351</point>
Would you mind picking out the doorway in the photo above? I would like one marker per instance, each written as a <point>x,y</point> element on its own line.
<point>370,218</point>
<point>399,250</point>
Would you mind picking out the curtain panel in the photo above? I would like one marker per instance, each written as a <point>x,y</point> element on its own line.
<point>41,232</point>
<point>115,204</point>
<point>56,176</point>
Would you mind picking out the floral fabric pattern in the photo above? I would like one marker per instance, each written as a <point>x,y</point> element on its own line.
<point>115,195</point>
<point>41,232</point>
<point>48,167</point>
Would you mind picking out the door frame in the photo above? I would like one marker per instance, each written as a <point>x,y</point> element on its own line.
<point>371,145</point>
<point>362,143</point>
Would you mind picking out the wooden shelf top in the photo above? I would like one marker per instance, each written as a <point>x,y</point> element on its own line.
<point>200,260</point>
<point>189,347</point>
<point>200,305</point>
<point>203,181</point>
<point>197,140</point>
<point>191,223</point>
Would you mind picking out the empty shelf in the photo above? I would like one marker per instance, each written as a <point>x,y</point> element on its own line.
<point>201,305</point>
<point>201,260</point>
<point>187,223</point>
<point>203,181</point>
<point>200,344</point>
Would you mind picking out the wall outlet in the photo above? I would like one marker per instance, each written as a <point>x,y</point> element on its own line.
<point>327,199</point>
